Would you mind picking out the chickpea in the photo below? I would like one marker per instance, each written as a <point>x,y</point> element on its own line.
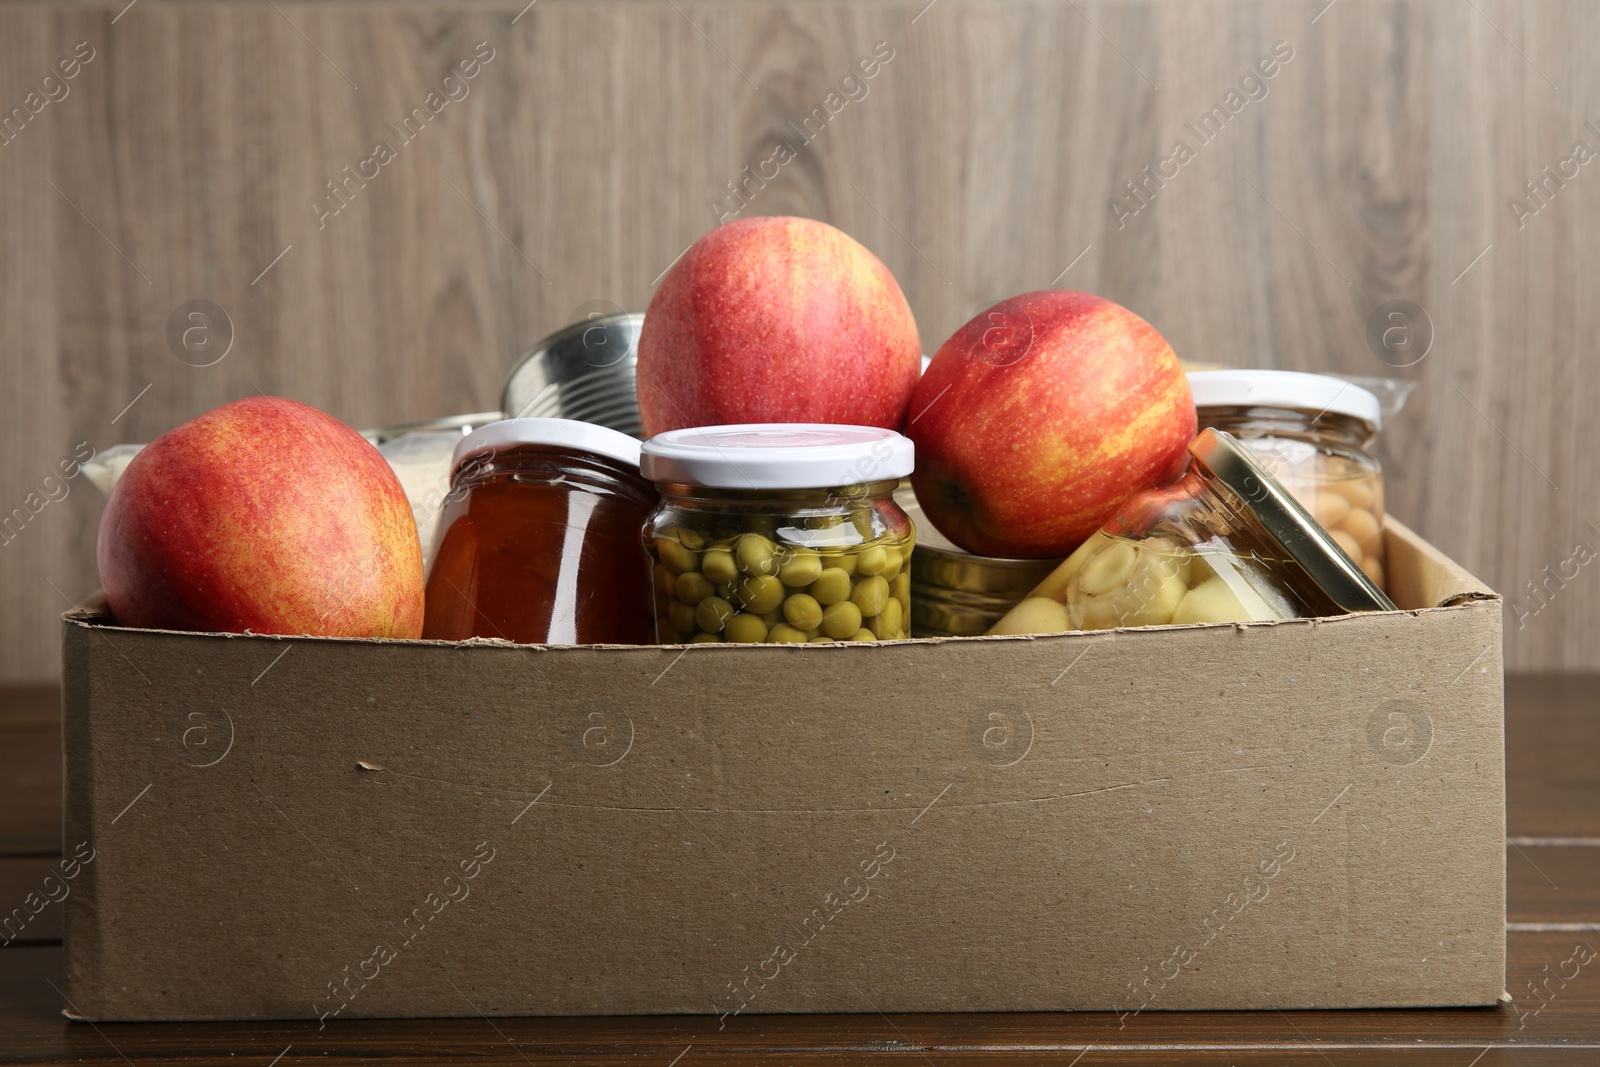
<point>1362,525</point>
<point>1347,543</point>
<point>1328,508</point>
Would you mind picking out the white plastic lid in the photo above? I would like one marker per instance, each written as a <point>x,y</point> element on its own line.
<point>1317,393</point>
<point>777,455</point>
<point>559,433</point>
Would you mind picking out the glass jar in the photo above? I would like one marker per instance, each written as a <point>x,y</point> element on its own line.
<point>1312,432</point>
<point>781,533</point>
<point>539,540</point>
<point>1225,543</point>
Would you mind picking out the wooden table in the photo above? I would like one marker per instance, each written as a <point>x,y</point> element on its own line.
<point>1553,871</point>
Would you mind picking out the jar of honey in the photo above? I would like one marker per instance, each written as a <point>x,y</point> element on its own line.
<point>780,533</point>
<point>1313,433</point>
<point>539,540</point>
<point>1225,543</point>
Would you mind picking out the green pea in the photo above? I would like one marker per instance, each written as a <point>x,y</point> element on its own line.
<point>845,561</point>
<point>754,554</point>
<point>705,639</point>
<point>713,614</point>
<point>803,611</point>
<point>870,595</point>
<point>666,581</point>
<point>784,634</point>
<point>873,561</point>
<point>841,620</point>
<point>691,539</point>
<point>681,616</point>
<point>862,521</point>
<point>717,564</point>
<point>893,562</point>
<point>759,594</point>
<point>772,618</point>
<point>887,624</point>
<point>666,633</point>
<point>862,635</point>
<point>900,587</point>
<point>692,587</point>
<point>747,629</point>
<point>800,567</point>
<point>761,524</point>
<point>831,586</point>
<point>678,559</point>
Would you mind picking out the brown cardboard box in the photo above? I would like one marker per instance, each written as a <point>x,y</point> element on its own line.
<point>1303,814</point>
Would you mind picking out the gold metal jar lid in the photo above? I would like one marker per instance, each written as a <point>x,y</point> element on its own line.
<point>1286,522</point>
<point>955,593</point>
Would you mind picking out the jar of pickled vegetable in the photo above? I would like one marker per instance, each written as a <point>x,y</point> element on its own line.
<point>1225,543</point>
<point>1313,433</point>
<point>539,540</point>
<point>781,533</point>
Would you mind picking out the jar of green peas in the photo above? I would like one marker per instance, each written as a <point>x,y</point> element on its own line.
<point>779,533</point>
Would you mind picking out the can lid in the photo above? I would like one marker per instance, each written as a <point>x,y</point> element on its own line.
<point>1287,522</point>
<point>1318,393</point>
<point>559,433</point>
<point>777,455</point>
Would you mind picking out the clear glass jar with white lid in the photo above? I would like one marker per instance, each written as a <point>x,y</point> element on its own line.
<point>779,533</point>
<point>1312,432</point>
<point>1224,543</point>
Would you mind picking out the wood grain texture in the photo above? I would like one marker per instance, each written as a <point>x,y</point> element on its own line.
<point>981,163</point>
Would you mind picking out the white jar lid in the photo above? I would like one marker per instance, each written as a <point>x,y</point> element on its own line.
<point>557,433</point>
<point>777,455</point>
<point>1316,393</point>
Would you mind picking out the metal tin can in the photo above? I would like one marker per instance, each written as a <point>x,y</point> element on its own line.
<point>958,594</point>
<point>584,371</point>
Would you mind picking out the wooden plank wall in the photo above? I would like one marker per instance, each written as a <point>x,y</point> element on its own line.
<point>590,149</point>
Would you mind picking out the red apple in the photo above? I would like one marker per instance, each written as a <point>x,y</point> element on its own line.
<point>263,515</point>
<point>777,320</point>
<point>1038,417</point>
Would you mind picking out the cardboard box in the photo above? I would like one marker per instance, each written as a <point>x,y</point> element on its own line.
<point>1301,814</point>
